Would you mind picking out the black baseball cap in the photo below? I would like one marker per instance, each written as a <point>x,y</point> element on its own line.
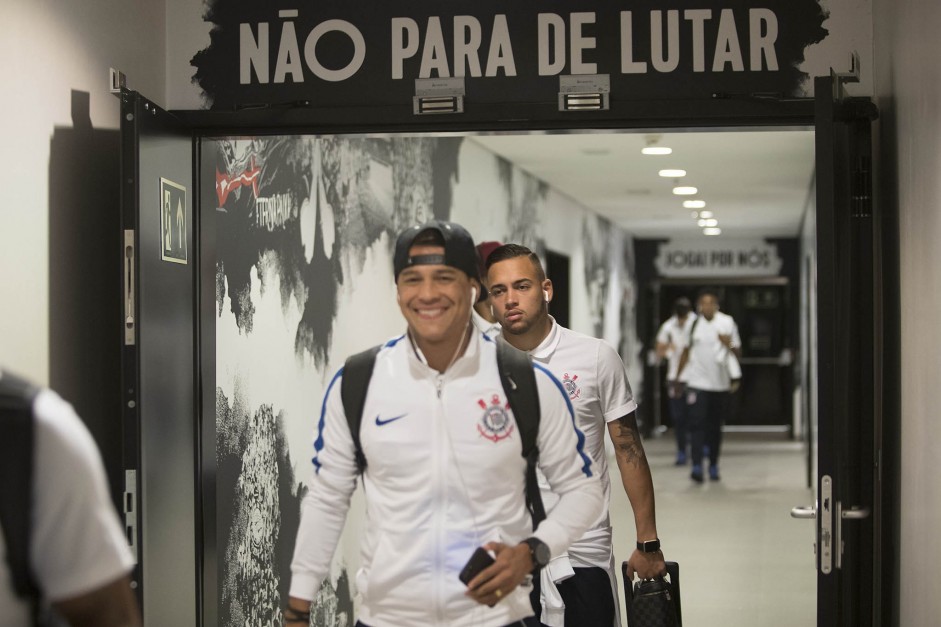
<point>459,251</point>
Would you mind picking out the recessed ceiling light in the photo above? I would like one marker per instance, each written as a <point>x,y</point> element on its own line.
<point>657,150</point>
<point>672,174</point>
<point>694,204</point>
<point>712,231</point>
<point>694,214</point>
<point>707,223</point>
<point>685,191</point>
<point>705,214</point>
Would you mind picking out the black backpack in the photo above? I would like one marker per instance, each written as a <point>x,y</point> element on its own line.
<point>16,471</point>
<point>519,385</point>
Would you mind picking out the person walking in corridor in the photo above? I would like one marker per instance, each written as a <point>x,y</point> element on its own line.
<point>671,341</point>
<point>712,350</point>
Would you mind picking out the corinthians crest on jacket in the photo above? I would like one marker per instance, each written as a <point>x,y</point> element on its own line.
<point>495,424</point>
<point>569,382</point>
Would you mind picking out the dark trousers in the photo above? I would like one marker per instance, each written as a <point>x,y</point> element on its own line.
<point>588,599</point>
<point>706,413</point>
<point>678,413</point>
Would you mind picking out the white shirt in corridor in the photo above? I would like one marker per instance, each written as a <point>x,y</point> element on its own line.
<point>594,378</point>
<point>708,365</point>
<point>676,335</point>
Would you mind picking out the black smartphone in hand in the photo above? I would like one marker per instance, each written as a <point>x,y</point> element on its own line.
<point>478,561</point>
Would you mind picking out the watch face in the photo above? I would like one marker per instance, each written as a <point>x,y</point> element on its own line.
<point>541,554</point>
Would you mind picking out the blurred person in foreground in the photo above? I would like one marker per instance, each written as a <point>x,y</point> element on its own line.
<point>65,554</point>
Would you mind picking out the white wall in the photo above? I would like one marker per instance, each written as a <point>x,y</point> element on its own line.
<point>50,49</point>
<point>908,89</point>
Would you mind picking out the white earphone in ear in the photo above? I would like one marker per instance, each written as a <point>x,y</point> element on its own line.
<point>473,295</point>
<point>545,295</point>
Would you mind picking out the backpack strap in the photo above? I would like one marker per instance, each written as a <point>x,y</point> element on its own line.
<point>692,330</point>
<point>16,468</point>
<point>519,385</point>
<point>357,373</point>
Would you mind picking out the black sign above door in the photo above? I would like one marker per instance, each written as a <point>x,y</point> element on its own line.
<point>337,53</point>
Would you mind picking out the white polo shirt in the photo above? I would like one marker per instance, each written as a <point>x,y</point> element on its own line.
<point>707,367</point>
<point>594,378</point>
<point>676,335</point>
<point>490,329</point>
<point>77,544</point>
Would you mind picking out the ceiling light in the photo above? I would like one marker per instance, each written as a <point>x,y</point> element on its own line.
<point>710,223</point>
<point>672,174</point>
<point>652,148</point>
<point>685,191</point>
<point>694,214</point>
<point>712,231</point>
<point>705,214</point>
<point>694,204</point>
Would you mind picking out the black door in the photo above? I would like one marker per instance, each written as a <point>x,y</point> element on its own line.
<point>158,363</point>
<point>847,276</point>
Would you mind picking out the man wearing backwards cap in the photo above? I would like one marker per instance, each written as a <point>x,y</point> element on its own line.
<point>444,472</point>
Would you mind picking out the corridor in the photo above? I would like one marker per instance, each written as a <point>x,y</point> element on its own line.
<point>743,560</point>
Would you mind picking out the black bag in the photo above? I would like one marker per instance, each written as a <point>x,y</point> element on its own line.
<point>653,602</point>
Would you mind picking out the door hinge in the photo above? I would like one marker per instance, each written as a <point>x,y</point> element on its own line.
<point>861,205</point>
<point>130,511</point>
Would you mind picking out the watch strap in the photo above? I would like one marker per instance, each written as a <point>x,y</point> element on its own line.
<point>538,553</point>
<point>648,546</point>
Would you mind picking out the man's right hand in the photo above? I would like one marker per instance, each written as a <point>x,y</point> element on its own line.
<point>676,389</point>
<point>297,612</point>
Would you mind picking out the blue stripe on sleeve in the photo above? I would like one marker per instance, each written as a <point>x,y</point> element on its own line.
<point>586,467</point>
<point>318,443</point>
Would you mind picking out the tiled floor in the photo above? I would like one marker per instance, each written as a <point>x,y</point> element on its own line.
<point>743,560</point>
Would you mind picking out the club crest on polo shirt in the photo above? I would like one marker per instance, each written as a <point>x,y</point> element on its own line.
<point>570,385</point>
<point>495,424</point>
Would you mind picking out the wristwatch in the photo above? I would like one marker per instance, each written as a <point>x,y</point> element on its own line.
<point>538,552</point>
<point>648,546</point>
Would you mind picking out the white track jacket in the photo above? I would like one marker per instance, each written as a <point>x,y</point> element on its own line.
<point>444,475</point>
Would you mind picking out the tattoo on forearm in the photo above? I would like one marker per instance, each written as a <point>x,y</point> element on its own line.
<point>627,443</point>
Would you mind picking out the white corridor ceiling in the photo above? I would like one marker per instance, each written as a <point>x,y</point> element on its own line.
<point>756,183</point>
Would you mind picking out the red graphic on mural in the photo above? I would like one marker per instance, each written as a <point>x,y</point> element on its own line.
<point>226,184</point>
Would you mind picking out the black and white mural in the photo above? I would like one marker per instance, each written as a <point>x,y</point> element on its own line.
<point>305,228</point>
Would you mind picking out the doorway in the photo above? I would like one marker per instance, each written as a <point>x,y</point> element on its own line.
<point>298,290</point>
<point>384,192</point>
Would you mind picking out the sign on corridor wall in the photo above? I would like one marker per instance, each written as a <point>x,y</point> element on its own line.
<point>717,258</point>
<point>335,53</point>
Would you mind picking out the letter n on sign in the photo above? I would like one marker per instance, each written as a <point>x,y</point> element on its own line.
<point>173,221</point>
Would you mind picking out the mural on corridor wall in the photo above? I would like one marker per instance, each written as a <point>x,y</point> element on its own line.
<point>305,228</point>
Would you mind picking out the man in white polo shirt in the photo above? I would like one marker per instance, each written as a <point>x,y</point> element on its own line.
<point>593,376</point>
<point>714,347</point>
<point>671,341</point>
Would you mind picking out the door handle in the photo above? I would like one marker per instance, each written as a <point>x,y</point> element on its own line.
<point>855,513</point>
<point>804,512</point>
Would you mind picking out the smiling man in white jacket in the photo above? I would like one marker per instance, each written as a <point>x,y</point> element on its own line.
<point>445,472</point>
